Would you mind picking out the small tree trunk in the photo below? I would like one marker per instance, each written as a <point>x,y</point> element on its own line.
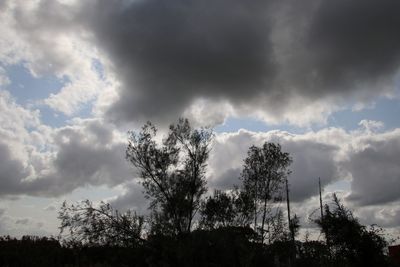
<point>263,218</point>
<point>266,196</point>
<point>255,207</point>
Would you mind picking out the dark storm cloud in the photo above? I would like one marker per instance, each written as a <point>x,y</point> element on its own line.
<point>271,56</point>
<point>376,172</point>
<point>354,42</point>
<point>169,53</point>
<point>310,161</point>
<point>263,54</point>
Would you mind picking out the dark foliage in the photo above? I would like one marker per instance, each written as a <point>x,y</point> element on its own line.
<point>226,209</point>
<point>264,172</point>
<point>351,243</point>
<point>48,252</point>
<point>85,224</point>
<point>224,246</point>
<point>172,173</point>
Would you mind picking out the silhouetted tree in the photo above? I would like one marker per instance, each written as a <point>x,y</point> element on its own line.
<point>264,172</point>
<point>172,172</point>
<point>312,253</point>
<point>294,225</point>
<point>244,206</point>
<point>83,223</point>
<point>218,211</point>
<point>351,243</point>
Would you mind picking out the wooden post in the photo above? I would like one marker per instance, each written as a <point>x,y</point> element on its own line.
<point>293,258</point>
<point>320,198</point>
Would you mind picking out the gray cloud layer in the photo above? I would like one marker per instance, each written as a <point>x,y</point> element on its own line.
<point>263,54</point>
<point>12,172</point>
<point>311,159</point>
<point>86,154</point>
<point>376,172</point>
<point>271,57</point>
<point>168,54</point>
<point>355,42</point>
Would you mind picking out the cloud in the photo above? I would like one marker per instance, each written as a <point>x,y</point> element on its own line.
<point>50,208</point>
<point>370,125</point>
<point>24,221</point>
<point>387,216</point>
<point>13,172</point>
<point>42,161</point>
<point>53,162</point>
<point>18,226</point>
<point>167,55</point>
<point>133,198</point>
<point>311,159</point>
<point>355,43</point>
<point>365,159</point>
<point>375,169</point>
<point>91,152</point>
<point>15,152</point>
<point>280,61</point>
<point>45,37</point>
<point>3,77</point>
<point>336,51</point>
<point>266,58</point>
<point>88,153</point>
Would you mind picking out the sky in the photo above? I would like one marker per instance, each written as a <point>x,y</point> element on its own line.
<point>320,77</point>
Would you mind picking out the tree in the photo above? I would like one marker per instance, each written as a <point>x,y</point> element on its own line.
<point>264,172</point>
<point>243,207</point>
<point>351,243</point>
<point>173,172</point>
<point>218,211</point>
<point>227,209</point>
<point>89,225</point>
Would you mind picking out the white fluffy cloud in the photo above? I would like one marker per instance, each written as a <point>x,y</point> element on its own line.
<point>45,38</point>
<point>39,160</point>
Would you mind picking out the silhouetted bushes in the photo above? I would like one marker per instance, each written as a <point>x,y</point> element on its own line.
<point>229,246</point>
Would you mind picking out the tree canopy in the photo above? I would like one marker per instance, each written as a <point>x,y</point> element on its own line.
<point>351,243</point>
<point>264,172</point>
<point>173,172</point>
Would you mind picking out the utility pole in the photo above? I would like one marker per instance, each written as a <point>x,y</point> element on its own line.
<point>292,261</point>
<point>322,213</point>
<point>288,209</point>
<point>320,198</point>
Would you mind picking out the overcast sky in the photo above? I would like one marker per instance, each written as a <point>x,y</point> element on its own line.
<point>320,77</point>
